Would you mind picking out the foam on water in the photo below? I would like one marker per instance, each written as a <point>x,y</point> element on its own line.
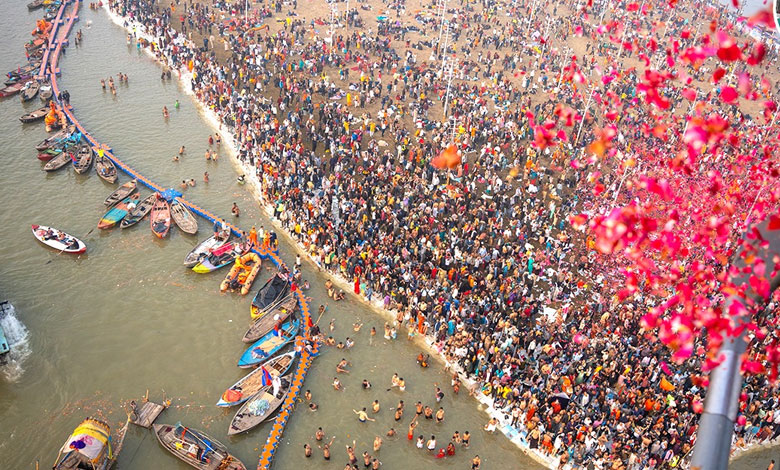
<point>18,339</point>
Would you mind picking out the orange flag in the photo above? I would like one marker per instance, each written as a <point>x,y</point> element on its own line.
<point>666,385</point>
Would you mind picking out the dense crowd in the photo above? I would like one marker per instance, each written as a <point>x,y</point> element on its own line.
<point>342,130</point>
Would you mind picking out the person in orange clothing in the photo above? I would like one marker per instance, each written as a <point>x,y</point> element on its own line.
<point>253,236</point>
<point>267,240</point>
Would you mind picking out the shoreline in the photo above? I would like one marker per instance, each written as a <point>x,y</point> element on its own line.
<point>515,435</point>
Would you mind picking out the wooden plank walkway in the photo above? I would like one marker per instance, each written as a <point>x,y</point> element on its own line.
<point>146,415</point>
<point>149,410</point>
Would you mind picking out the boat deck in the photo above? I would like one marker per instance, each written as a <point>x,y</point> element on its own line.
<point>147,414</point>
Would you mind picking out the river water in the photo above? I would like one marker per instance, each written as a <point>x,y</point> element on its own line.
<point>127,316</point>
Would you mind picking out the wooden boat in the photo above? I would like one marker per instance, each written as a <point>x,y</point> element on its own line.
<point>115,214</point>
<point>106,169</point>
<point>272,292</point>
<point>183,218</point>
<point>258,408</point>
<point>90,447</point>
<point>203,249</point>
<point>46,92</point>
<point>21,78</point>
<point>30,90</point>
<point>34,45</point>
<point>50,153</point>
<point>218,258</point>
<point>161,217</point>
<point>58,239</point>
<point>122,192</point>
<point>54,139</point>
<point>30,69</point>
<point>266,321</point>
<point>58,162</point>
<point>256,380</point>
<point>84,159</point>
<point>242,274</point>
<point>269,345</point>
<point>35,4</point>
<point>12,89</point>
<point>195,448</point>
<point>36,115</point>
<point>139,212</point>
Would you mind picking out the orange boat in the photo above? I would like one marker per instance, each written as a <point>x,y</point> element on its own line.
<point>243,273</point>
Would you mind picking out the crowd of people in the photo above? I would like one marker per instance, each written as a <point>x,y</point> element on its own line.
<point>341,130</point>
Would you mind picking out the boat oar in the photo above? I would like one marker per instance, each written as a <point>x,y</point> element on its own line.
<point>321,314</point>
<point>61,251</point>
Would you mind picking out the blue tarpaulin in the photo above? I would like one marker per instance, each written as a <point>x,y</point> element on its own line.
<point>170,194</point>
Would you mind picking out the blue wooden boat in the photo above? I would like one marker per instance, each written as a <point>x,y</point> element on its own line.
<point>268,345</point>
<point>257,380</point>
<point>115,214</point>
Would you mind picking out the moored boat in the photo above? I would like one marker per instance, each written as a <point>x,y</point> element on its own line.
<point>242,274</point>
<point>218,258</point>
<point>45,93</point>
<point>160,219</point>
<point>50,153</point>
<point>35,4</point>
<point>139,212</point>
<point>256,380</point>
<point>54,139</point>
<point>58,239</point>
<point>28,69</point>
<point>279,312</point>
<point>116,213</point>
<point>30,90</point>
<point>258,408</point>
<point>269,344</point>
<point>12,89</point>
<point>106,169</point>
<point>36,115</point>
<point>84,159</point>
<point>183,218</point>
<point>122,192</point>
<point>89,447</point>
<point>203,249</point>
<point>34,45</point>
<point>196,448</point>
<point>58,162</point>
<point>272,291</point>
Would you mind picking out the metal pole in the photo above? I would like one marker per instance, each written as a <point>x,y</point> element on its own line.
<point>585,113</point>
<point>687,121</point>
<point>716,426</point>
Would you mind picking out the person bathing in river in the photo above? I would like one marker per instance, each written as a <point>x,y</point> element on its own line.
<point>363,416</point>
